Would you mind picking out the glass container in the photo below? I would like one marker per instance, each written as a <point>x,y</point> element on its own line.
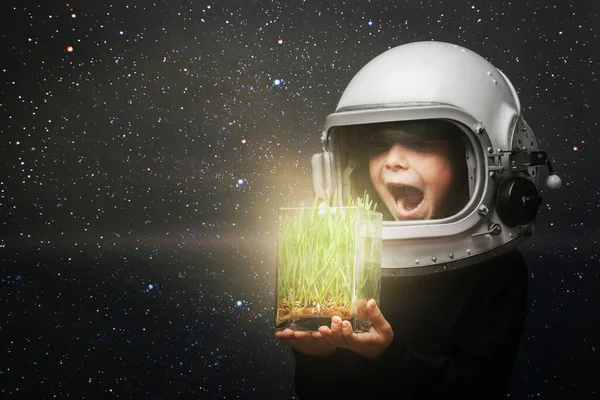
<point>328,263</point>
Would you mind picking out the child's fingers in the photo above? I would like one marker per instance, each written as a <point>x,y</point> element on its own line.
<point>332,335</point>
<point>336,326</point>
<point>324,331</point>
<point>301,335</point>
<point>317,335</point>
<point>286,334</point>
<point>377,319</point>
<point>349,336</point>
<point>347,329</point>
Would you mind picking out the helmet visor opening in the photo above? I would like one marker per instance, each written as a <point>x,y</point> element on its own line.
<point>416,170</point>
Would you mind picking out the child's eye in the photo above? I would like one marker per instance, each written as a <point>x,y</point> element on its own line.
<point>378,147</point>
<point>415,144</point>
<point>421,145</point>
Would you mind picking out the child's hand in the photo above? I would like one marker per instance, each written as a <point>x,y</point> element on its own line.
<point>368,344</point>
<point>306,342</point>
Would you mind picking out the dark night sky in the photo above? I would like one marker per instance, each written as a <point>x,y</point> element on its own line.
<point>147,146</point>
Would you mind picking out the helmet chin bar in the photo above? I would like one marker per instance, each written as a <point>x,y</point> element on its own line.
<point>448,264</point>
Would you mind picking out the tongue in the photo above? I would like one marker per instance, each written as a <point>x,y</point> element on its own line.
<point>412,198</point>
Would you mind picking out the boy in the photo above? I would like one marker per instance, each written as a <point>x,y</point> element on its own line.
<point>437,337</point>
<point>456,167</point>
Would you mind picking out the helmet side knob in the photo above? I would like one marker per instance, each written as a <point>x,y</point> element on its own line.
<point>553,182</point>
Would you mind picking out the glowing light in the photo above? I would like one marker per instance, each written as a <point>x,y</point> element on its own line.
<point>280,41</point>
<point>575,148</point>
<point>240,181</point>
<point>243,140</point>
<point>69,49</point>
<point>73,15</point>
<point>277,82</point>
<point>238,303</point>
<point>150,286</point>
<point>370,23</point>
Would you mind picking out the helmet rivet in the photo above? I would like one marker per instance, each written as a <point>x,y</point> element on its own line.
<point>490,150</point>
<point>483,210</point>
<point>492,174</point>
<point>468,251</point>
<point>451,256</point>
<point>417,261</point>
<point>434,259</point>
<point>479,128</point>
<point>489,73</point>
<point>495,81</point>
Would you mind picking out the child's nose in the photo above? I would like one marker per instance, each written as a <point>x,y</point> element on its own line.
<point>397,157</point>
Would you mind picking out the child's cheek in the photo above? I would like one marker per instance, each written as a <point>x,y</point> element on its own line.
<point>440,174</point>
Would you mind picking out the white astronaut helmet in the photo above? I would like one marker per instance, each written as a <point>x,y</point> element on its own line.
<point>423,86</point>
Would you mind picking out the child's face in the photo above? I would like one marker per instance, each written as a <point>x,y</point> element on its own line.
<point>412,175</point>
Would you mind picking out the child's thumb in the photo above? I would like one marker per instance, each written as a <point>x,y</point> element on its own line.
<point>376,317</point>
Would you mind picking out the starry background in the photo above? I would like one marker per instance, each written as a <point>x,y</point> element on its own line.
<point>146,147</point>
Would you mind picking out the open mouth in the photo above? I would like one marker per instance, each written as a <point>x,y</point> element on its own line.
<point>408,199</point>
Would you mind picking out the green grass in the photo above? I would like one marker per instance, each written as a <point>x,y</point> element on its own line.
<point>322,265</point>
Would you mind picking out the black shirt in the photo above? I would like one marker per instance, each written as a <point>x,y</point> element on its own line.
<point>456,335</point>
